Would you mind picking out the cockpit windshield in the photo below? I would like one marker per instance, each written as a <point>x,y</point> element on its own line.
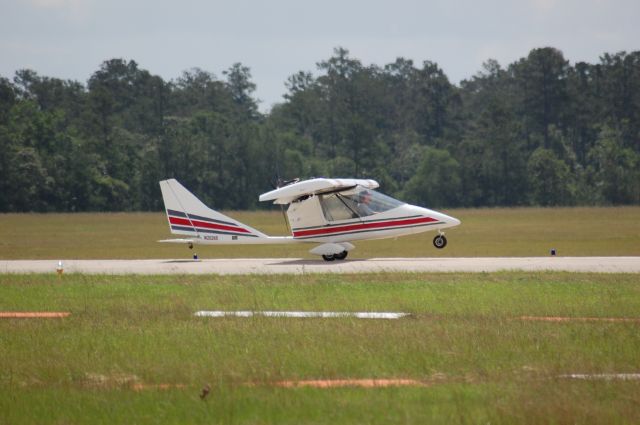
<point>355,203</point>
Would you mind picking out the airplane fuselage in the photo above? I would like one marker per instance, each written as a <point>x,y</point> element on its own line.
<point>403,220</point>
<point>331,212</point>
<point>372,229</point>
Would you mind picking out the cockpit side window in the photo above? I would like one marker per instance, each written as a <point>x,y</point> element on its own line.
<point>360,202</point>
<point>335,208</point>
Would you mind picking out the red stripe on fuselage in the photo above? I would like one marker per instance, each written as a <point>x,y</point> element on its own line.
<point>382,225</point>
<point>205,224</point>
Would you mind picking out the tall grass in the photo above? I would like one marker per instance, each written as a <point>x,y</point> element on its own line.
<point>464,340</point>
<point>484,232</point>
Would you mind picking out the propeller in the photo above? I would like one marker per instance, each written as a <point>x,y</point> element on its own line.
<point>278,182</point>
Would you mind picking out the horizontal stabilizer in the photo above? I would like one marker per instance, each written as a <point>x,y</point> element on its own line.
<point>187,241</point>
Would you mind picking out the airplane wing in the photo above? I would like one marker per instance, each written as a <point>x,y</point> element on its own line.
<point>290,193</point>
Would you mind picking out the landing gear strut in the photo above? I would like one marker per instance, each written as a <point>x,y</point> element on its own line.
<point>440,241</point>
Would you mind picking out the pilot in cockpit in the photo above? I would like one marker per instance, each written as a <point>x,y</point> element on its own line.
<point>364,204</point>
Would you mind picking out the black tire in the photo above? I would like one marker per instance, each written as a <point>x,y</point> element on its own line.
<point>330,257</point>
<point>440,241</point>
<point>341,256</point>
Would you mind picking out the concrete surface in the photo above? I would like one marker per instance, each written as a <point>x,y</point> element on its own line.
<point>300,266</point>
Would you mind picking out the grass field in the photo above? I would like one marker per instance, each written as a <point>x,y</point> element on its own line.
<point>484,232</point>
<point>479,362</point>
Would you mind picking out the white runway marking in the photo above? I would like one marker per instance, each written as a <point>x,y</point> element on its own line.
<point>300,314</point>
<point>299,266</point>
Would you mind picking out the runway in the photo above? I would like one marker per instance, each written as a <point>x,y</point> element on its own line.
<point>303,266</point>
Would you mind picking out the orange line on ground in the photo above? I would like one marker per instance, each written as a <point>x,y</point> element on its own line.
<point>363,383</point>
<point>32,314</point>
<point>580,319</point>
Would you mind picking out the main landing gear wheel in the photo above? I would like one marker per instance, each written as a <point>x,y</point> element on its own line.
<point>341,256</point>
<point>440,241</point>
<point>329,257</point>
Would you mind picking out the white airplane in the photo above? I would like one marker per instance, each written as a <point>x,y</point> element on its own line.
<point>331,212</point>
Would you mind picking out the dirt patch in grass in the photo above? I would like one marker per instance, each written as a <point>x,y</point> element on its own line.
<point>142,386</point>
<point>123,380</point>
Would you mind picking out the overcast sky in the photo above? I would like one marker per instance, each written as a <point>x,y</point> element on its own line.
<point>70,38</point>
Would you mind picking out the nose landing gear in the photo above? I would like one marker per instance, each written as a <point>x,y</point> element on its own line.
<point>440,241</point>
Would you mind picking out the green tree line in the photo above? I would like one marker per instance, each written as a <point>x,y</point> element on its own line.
<point>539,131</point>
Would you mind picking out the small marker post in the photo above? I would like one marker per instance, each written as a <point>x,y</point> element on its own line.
<point>60,268</point>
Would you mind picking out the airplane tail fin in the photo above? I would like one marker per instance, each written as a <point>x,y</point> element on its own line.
<point>187,215</point>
